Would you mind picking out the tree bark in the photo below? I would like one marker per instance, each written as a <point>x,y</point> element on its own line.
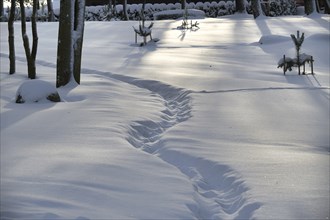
<point>64,46</point>
<point>309,6</point>
<point>79,33</point>
<point>256,8</point>
<point>30,55</point>
<point>240,6</point>
<point>34,33</point>
<point>125,10</point>
<point>1,11</point>
<point>11,38</point>
<point>183,4</point>
<point>70,41</point>
<point>50,9</point>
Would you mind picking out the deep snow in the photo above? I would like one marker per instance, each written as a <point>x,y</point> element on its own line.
<point>200,125</point>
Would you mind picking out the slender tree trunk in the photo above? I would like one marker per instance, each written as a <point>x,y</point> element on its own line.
<point>1,11</point>
<point>79,33</point>
<point>50,9</point>
<point>64,46</point>
<point>30,55</point>
<point>34,35</point>
<point>125,10</point>
<point>114,8</point>
<point>183,4</point>
<point>240,6</point>
<point>11,38</point>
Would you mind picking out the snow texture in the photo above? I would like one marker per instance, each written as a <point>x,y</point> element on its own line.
<point>199,125</point>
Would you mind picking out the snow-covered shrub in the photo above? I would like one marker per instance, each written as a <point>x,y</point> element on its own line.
<point>163,6</point>
<point>36,91</point>
<point>119,8</point>
<point>282,7</point>
<point>98,13</point>
<point>230,7</point>
<point>177,5</point>
<point>178,13</point>
<point>199,6</point>
<point>222,9</point>
<point>214,4</point>
<point>171,6</point>
<point>133,11</point>
<point>190,5</point>
<point>206,5</point>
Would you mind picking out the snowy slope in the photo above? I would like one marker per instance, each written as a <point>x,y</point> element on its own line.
<point>200,125</point>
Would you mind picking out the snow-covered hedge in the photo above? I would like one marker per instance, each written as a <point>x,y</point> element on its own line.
<point>275,8</point>
<point>178,13</point>
<point>211,9</point>
<point>282,7</point>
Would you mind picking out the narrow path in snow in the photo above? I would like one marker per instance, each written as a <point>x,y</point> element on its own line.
<point>219,191</point>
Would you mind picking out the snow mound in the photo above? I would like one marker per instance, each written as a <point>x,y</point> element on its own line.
<point>273,39</point>
<point>35,91</point>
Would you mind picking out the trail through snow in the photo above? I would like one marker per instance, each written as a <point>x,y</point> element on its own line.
<point>219,193</point>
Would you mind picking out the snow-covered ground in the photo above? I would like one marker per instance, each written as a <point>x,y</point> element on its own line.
<point>199,125</point>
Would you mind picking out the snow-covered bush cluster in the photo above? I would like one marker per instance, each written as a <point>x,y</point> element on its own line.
<point>275,8</point>
<point>42,13</point>
<point>211,9</point>
<point>282,7</point>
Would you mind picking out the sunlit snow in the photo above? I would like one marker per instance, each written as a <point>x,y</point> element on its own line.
<point>199,125</point>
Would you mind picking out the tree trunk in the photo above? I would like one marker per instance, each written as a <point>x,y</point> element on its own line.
<point>125,11</point>
<point>11,38</point>
<point>1,11</point>
<point>256,8</point>
<point>183,4</point>
<point>50,9</point>
<point>240,6</point>
<point>64,46</point>
<point>30,55</point>
<point>70,41</point>
<point>309,6</point>
<point>34,38</point>
<point>79,33</point>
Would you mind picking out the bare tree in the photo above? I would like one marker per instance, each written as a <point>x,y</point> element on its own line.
<point>30,54</point>
<point>70,41</point>
<point>11,38</point>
